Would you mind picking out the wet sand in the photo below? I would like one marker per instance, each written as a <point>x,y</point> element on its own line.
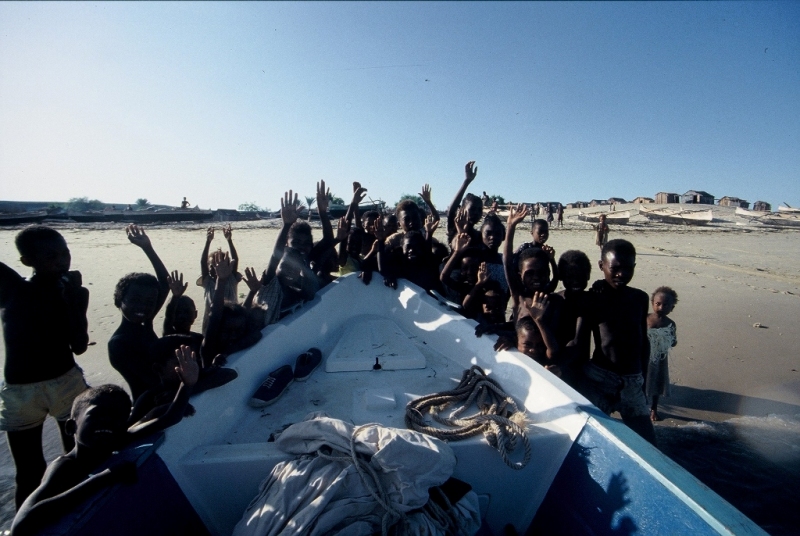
<point>729,277</point>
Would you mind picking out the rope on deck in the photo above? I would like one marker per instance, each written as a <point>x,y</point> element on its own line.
<point>498,419</point>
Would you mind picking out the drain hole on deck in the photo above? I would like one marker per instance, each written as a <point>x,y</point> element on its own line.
<point>377,365</point>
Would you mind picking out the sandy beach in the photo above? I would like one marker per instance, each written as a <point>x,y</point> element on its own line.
<point>737,318</point>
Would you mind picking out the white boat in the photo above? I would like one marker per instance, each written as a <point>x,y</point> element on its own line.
<point>678,216</point>
<point>788,209</point>
<point>588,473</point>
<point>773,219</point>
<point>619,218</point>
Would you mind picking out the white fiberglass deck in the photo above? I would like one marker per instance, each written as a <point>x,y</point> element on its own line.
<point>220,455</point>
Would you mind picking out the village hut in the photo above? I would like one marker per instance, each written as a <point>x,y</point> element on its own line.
<point>578,204</point>
<point>698,197</point>
<point>641,199</point>
<point>667,197</point>
<point>598,203</point>
<point>616,200</point>
<point>762,206</point>
<point>728,201</point>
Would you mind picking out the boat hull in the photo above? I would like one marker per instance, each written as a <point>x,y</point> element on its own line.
<point>678,217</point>
<point>619,218</point>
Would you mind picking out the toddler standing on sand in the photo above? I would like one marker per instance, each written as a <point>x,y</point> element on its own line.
<point>661,333</point>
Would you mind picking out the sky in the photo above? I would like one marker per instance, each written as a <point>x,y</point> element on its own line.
<point>231,103</point>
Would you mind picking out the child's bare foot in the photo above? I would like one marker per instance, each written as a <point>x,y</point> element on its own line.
<point>654,416</point>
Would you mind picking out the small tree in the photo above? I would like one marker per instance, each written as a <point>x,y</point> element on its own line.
<point>83,204</point>
<point>142,203</point>
<point>250,207</point>
<point>415,198</point>
<point>499,198</point>
<point>334,200</point>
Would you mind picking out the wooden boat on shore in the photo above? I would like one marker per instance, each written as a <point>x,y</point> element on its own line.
<point>618,218</point>
<point>772,219</point>
<point>587,474</point>
<point>20,218</point>
<point>788,209</point>
<point>678,216</point>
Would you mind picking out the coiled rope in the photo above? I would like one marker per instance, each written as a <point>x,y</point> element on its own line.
<point>498,418</point>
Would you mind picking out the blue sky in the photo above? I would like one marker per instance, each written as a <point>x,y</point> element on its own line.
<point>228,103</point>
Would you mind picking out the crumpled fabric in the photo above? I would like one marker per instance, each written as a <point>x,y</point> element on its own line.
<point>315,496</point>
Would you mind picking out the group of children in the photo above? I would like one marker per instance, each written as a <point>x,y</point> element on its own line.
<point>627,365</point>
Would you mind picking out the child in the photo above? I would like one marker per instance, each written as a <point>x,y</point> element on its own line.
<point>413,261</point>
<point>575,269</point>
<point>139,297</point>
<point>229,329</point>
<point>493,232</point>
<point>44,327</point>
<point>100,423</point>
<point>410,218</point>
<point>207,279</point>
<point>472,209</point>
<point>467,260</point>
<point>529,282</point>
<point>619,325</point>
<point>662,336</point>
<point>181,312</point>
<point>601,232</point>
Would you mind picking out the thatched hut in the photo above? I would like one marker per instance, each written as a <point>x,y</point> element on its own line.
<point>728,201</point>
<point>762,206</point>
<point>616,200</point>
<point>641,199</point>
<point>667,197</point>
<point>598,203</point>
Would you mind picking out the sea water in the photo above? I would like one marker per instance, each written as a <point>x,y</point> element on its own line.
<point>752,462</point>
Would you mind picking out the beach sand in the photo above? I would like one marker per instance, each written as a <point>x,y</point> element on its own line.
<point>730,277</point>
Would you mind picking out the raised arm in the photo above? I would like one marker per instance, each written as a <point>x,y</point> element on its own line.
<point>472,301</point>
<point>138,237</point>
<point>212,345</point>
<point>461,243</point>
<point>323,200</point>
<point>178,287</point>
<point>551,254</point>
<point>425,194</point>
<point>77,298</point>
<point>342,231</point>
<point>204,256</point>
<point>470,170</point>
<point>163,417</point>
<point>289,206</point>
<point>536,310</point>
<point>352,211</point>
<point>515,215</point>
<point>227,232</point>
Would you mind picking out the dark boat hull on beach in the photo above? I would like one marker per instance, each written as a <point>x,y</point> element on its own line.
<point>20,218</point>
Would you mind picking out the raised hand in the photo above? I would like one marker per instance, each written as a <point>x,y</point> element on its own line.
<point>470,170</point>
<point>188,370</point>
<point>322,197</point>
<point>251,279</point>
<point>176,284</point>
<point>516,214</point>
<point>430,225</point>
<point>289,206</point>
<point>222,264</point>
<point>504,343</point>
<point>550,251</point>
<point>227,232</point>
<point>462,241</point>
<point>343,229</point>
<point>462,220</point>
<point>210,234</point>
<point>538,306</point>
<point>425,194</point>
<point>483,274</point>
<point>359,193</point>
<point>137,236</point>
<point>378,229</point>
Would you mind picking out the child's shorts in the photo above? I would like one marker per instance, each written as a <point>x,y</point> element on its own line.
<point>26,405</point>
<point>611,392</point>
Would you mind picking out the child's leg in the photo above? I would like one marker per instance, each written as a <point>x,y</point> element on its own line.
<point>26,449</point>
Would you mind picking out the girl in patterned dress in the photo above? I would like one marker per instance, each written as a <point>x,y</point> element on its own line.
<point>662,336</point>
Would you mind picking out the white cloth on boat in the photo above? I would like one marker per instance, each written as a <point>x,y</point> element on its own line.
<point>313,494</point>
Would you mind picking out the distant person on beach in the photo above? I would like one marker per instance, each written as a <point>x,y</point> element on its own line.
<point>549,213</point>
<point>139,297</point>
<point>614,376</point>
<point>184,203</point>
<point>560,213</point>
<point>601,232</point>
<point>661,332</point>
<point>471,208</point>
<point>208,278</point>
<point>44,327</point>
<point>100,424</point>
